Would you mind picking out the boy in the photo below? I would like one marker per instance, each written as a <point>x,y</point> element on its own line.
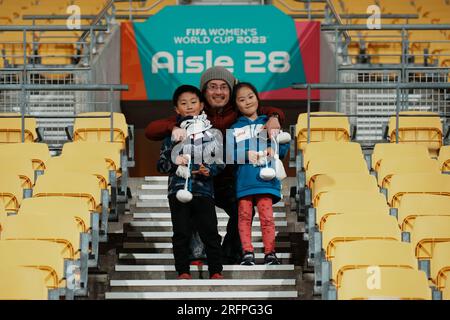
<point>200,211</point>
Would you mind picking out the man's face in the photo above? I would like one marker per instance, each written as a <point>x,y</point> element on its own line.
<point>217,93</point>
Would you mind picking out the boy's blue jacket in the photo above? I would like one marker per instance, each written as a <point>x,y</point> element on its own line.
<point>245,138</point>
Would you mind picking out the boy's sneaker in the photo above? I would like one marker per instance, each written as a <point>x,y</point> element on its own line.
<point>217,276</point>
<point>271,259</point>
<point>184,276</point>
<point>248,259</point>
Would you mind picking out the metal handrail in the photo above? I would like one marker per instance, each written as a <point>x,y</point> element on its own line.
<point>393,85</point>
<point>142,9</point>
<point>354,27</point>
<point>49,28</point>
<point>82,17</point>
<point>69,87</point>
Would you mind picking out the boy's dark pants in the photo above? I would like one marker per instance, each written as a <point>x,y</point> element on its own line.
<point>199,214</point>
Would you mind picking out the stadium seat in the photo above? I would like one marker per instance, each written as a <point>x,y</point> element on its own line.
<point>427,232</point>
<point>387,284</point>
<point>425,130</point>
<point>363,254</point>
<point>11,128</point>
<point>99,129</point>
<point>440,265</point>
<point>347,150</point>
<point>353,202</point>
<point>342,182</point>
<point>11,192</point>
<point>41,255</point>
<point>396,150</point>
<point>20,166</point>
<point>336,127</point>
<point>350,227</point>
<point>76,208</point>
<point>417,183</point>
<point>392,166</point>
<point>21,283</point>
<point>444,158</point>
<point>59,230</point>
<point>413,206</point>
<point>38,153</point>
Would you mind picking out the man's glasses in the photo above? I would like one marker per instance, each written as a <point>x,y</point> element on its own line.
<point>215,87</point>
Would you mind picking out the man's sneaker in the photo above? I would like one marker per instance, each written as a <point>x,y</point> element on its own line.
<point>217,276</point>
<point>271,259</point>
<point>184,276</point>
<point>248,259</point>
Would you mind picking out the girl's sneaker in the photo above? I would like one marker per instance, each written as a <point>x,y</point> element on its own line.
<point>271,259</point>
<point>184,276</point>
<point>248,259</point>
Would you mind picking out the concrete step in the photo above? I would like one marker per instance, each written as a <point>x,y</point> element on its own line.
<point>155,236</point>
<point>148,271</point>
<point>162,206</point>
<point>168,245</point>
<point>185,295</point>
<point>169,256</point>
<point>169,223</point>
<point>220,215</point>
<point>164,197</point>
<point>162,202</point>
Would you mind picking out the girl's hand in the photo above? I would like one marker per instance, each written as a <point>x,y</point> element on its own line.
<point>273,127</point>
<point>269,152</point>
<point>253,157</point>
<point>182,160</point>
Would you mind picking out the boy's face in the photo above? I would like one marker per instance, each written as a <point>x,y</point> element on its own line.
<point>189,104</point>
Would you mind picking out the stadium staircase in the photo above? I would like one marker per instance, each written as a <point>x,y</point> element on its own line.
<point>145,268</point>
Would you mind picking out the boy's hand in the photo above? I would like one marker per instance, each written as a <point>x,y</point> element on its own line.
<point>178,134</point>
<point>253,157</point>
<point>182,160</point>
<point>202,170</point>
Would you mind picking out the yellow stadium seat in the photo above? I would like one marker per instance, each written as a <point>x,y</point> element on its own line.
<point>440,265</point>
<point>111,152</point>
<point>82,164</point>
<point>333,128</point>
<point>59,230</point>
<point>418,130</point>
<point>392,166</point>
<point>20,166</point>
<point>427,232</point>
<point>396,150</point>
<point>21,283</point>
<point>99,129</point>
<point>333,165</point>
<point>387,284</point>
<point>353,202</point>
<point>11,129</point>
<point>2,215</point>
<point>350,227</point>
<point>41,255</point>
<point>417,183</point>
<point>347,150</point>
<point>413,206</point>
<point>11,193</point>
<point>363,254</point>
<point>342,182</point>
<point>444,158</point>
<point>38,153</point>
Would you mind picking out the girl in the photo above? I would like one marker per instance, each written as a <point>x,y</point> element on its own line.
<point>253,153</point>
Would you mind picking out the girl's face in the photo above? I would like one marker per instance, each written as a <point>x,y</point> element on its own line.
<point>247,102</point>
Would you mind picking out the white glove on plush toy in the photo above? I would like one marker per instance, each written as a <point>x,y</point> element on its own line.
<point>183,172</point>
<point>283,137</point>
<point>184,195</point>
<point>266,173</point>
<point>279,168</point>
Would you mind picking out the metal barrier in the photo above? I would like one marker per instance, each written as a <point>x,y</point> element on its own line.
<point>396,94</point>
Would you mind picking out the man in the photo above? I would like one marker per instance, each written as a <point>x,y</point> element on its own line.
<point>216,85</point>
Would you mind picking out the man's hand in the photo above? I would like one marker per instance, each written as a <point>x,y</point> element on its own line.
<point>182,160</point>
<point>202,170</point>
<point>273,127</point>
<point>178,134</point>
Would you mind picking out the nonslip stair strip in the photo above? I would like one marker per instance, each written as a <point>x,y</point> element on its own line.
<point>206,282</point>
<point>169,223</point>
<point>203,295</point>
<point>138,256</point>
<point>168,245</point>
<point>155,268</point>
<point>166,215</point>
<point>163,234</point>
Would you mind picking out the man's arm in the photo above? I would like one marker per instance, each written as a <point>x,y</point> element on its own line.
<point>270,111</point>
<point>160,129</point>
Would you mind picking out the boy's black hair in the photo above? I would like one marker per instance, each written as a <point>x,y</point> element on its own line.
<point>243,85</point>
<point>185,88</point>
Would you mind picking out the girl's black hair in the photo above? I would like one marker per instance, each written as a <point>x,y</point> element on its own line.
<point>234,95</point>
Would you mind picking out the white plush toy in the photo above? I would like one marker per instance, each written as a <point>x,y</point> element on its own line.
<point>267,173</point>
<point>184,195</point>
